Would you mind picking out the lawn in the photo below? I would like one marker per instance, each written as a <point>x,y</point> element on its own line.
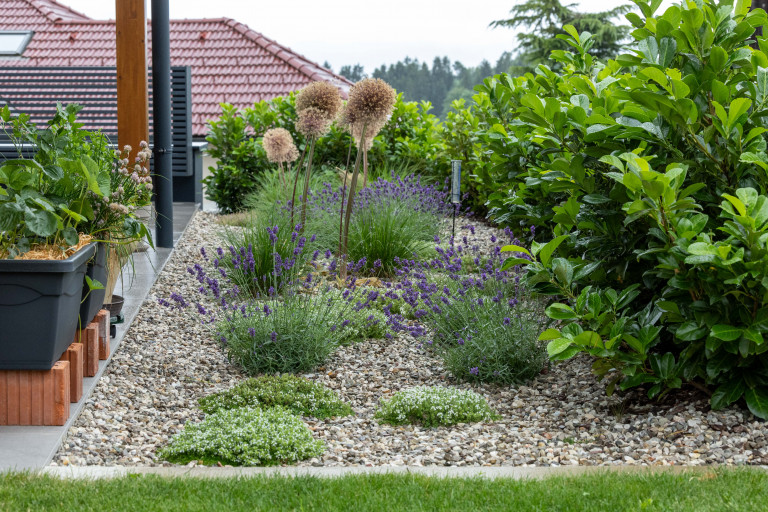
<point>716,490</point>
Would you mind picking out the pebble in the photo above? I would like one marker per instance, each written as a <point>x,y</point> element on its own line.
<point>166,362</point>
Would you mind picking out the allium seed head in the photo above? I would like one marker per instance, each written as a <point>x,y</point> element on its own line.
<point>312,122</point>
<point>279,145</point>
<point>371,100</point>
<point>320,95</point>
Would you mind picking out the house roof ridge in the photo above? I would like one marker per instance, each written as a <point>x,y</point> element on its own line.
<point>315,71</point>
<point>55,15</point>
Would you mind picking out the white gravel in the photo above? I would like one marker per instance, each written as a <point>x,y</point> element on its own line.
<point>166,362</point>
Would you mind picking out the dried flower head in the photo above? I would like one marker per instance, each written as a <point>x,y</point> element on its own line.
<point>371,130</point>
<point>279,146</point>
<point>312,122</point>
<point>320,95</point>
<point>371,100</point>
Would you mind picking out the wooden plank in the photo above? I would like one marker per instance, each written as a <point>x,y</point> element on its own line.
<point>132,73</point>
<point>91,346</point>
<point>13,398</point>
<point>25,399</point>
<point>74,355</point>
<point>3,398</point>
<point>35,405</point>
<point>47,398</point>
<point>61,396</point>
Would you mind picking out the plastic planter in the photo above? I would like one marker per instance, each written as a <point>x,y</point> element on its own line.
<point>92,300</point>
<point>39,305</point>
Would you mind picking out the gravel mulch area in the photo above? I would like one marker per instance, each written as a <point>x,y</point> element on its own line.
<point>166,362</point>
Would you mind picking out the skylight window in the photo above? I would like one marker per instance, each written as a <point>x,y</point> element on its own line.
<point>14,42</point>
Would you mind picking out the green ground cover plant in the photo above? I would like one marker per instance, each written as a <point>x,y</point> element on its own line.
<point>244,436</point>
<point>297,394</point>
<point>695,491</point>
<point>434,406</point>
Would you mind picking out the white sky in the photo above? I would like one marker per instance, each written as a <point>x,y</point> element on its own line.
<point>365,31</point>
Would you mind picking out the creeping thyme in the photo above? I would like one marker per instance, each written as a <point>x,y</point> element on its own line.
<point>435,406</point>
<point>244,437</point>
<point>299,395</point>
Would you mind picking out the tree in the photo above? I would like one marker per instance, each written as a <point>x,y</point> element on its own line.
<point>353,73</point>
<point>545,19</point>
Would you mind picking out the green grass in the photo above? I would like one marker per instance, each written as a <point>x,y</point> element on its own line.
<point>718,490</point>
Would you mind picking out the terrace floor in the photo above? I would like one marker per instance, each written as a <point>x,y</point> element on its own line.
<point>30,448</point>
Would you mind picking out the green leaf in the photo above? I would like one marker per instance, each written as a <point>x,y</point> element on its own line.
<point>727,393</point>
<point>545,255</point>
<point>70,236</point>
<point>557,346</point>
<point>515,248</point>
<point>41,222</point>
<point>726,332</point>
<point>757,401</point>
<point>559,311</point>
<point>690,331</point>
<point>738,107</point>
<point>511,262</point>
<point>550,334</point>
<point>736,202</point>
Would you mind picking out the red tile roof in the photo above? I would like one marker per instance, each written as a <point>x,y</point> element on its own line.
<point>230,62</point>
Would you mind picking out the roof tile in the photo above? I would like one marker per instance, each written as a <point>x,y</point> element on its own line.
<point>230,62</point>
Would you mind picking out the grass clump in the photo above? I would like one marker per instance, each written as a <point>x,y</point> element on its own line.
<point>299,395</point>
<point>245,436</point>
<point>434,406</point>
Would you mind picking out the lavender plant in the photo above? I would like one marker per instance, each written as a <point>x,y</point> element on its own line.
<point>251,253</point>
<point>284,330</point>
<point>477,317</point>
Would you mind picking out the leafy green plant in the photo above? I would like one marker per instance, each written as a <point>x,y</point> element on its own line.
<point>434,406</point>
<point>298,395</point>
<point>620,167</point>
<point>74,184</point>
<point>244,437</point>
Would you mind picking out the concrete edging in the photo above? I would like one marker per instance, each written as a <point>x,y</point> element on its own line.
<point>491,472</point>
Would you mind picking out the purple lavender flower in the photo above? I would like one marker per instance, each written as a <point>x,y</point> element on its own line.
<point>474,370</point>
<point>252,332</point>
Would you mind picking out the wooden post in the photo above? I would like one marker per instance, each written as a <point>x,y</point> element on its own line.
<point>132,85</point>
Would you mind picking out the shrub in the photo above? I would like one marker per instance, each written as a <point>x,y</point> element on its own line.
<point>412,137</point>
<point>296,394</point>
<point>625,166</point>
<point>244,437</point>
<point>481,322</point>
<point>434,406</point>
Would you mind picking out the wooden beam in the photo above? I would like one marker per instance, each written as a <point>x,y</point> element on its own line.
<point>132,95</point>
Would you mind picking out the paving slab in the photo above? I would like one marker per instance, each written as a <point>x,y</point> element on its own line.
<point>31,448</point>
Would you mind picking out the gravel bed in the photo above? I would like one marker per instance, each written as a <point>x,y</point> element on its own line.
<point>166,362</point>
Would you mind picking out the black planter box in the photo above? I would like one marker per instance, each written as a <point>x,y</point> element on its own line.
<point>39,305</point>
<point>92,300</point>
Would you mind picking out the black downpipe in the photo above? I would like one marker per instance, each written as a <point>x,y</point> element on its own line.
<point>161,109</point>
